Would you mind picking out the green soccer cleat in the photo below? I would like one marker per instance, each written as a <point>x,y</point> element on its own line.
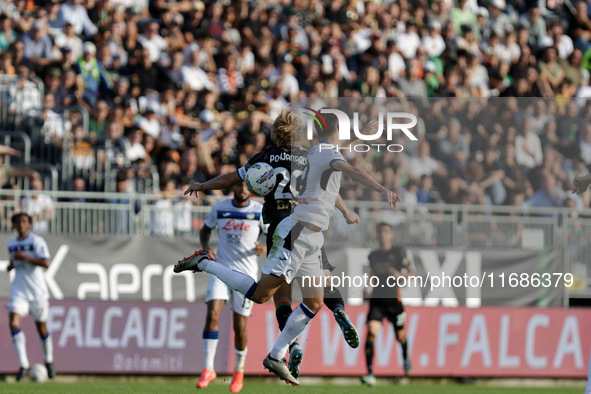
<point>295,359</point>
<point>349,330</point>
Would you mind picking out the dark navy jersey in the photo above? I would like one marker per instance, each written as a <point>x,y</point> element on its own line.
<point>288,163</point>
<point>380,262</point>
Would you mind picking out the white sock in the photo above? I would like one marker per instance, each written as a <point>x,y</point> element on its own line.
<point>240,358</point>
<point>210,345</point>
<point>47,344</point>
<point>20,347</point>
<point>238,281</point>
<point>295,325</point>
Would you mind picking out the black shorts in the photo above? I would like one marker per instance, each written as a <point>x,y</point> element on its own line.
<point>380,309</point>
<point>325,264</point>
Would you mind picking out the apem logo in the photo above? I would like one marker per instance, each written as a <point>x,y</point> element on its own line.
<point>388,122</point>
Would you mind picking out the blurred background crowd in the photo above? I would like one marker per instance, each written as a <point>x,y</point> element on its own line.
<point>149,95</point>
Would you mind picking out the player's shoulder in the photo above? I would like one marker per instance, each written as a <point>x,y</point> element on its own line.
<point>256,206</point>
<point>12,241</point>
<point>36,238</point>
<point>372,254</point>
<point>218,203</point>
<point>398,249</point>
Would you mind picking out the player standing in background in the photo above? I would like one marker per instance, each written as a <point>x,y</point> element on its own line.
<point>239,224</point>
<point>289,160</point>
<point>29,256</point>
<point>387,260</point>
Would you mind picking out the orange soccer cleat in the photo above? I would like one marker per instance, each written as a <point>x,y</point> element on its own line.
<point>237,384</point>
<point>207,376</point>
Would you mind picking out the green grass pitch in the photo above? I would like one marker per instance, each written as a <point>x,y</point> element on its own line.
<point>265,387</point>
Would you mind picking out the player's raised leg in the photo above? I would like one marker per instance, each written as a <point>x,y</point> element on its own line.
<point>19,342</point>
<point>210,340</point>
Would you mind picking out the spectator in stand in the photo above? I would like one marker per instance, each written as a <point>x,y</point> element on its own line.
<point>74,12</point>
<point>528,148</point>
<point>39,206</point>
<point>152,41</point>
<point>95,77</point>
<point>37,45</point>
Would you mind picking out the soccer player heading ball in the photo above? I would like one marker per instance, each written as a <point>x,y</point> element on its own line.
<point>297,239</point>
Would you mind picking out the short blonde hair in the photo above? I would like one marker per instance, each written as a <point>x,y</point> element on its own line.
<point>286,128</point>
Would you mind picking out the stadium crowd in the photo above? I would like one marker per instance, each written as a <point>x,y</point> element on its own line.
<point>190,88</point>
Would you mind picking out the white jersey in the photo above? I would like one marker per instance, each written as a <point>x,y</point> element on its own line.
<point>320,186</point>
<point>238,230</point>
<point>29,279</point>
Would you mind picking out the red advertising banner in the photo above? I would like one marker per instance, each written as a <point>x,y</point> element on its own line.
<point>122,337</point>
<point>158,338</point>
<point>463,342</point>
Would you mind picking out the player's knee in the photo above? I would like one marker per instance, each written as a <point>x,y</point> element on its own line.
<point>240,326</point>
<point>401,336</point>
<point>315,305</point>
<point>211,320</point>
<point>15,324</point>
<point>260,298</point>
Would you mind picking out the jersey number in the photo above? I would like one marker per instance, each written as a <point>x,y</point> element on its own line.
<point>303,180</point>
<point>286,190</point>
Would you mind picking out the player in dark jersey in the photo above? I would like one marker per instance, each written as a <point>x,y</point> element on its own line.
<point>288,160</point>
<point>387,260</point>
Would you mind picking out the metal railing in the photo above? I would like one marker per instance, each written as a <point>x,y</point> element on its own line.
<point>18,96</point>
<point>430,225</point>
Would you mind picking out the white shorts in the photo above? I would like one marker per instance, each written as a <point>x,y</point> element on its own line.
<point>296,252</point>
<point>218,290</point>
<point>39,309</point>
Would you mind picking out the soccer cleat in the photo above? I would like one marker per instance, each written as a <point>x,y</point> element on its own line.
<point>295,359</point>
<point>207,375</point>
<point>50,370</point>
<point>191,263</point>
<point>279,368</point>
<point>369,380</point>
<point>22,373</point>
<point>237,384</point>
<point>349,330</point>
<point>407,366</point>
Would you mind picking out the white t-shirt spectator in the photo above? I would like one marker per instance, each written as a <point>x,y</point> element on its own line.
<point>396,66</point>
<point>75,43</point>
<point>433,45</point>
<point>422,166</point>
<point>135,151</point>
<point>155,45</point>
<point>408,43</point>
<point>78,17</point>
<point>150,126</point>
<point>38,208</point>
<point>532,143</point>
<point>196,78</point>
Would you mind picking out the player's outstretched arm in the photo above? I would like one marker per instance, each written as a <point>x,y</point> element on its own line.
<point>350,216</point>
<point>366,180</point>
<point>217,183</point>
<point>581,184</point>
